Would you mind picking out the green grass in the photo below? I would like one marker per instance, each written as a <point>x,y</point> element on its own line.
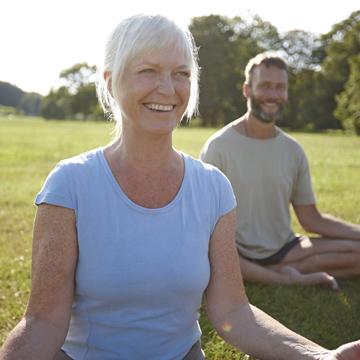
<point>30,148</point>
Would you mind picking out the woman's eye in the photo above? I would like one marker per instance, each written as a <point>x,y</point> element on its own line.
<point>184,73</point>
<point>148,71</point>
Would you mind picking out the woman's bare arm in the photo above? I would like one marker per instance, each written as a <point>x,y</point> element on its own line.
<point>42,330</point>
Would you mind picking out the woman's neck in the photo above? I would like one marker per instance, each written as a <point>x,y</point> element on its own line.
<point>149,178</point>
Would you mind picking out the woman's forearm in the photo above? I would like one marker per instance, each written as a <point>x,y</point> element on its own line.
<point>31,339</point>
<point>255,333</point>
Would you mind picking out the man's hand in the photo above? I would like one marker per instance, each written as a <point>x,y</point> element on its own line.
<point>296,277</point>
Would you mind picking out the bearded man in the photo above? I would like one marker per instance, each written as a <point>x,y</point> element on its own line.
<point>269,170</point>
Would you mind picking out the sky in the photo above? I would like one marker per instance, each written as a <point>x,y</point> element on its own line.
<point>40,38</point>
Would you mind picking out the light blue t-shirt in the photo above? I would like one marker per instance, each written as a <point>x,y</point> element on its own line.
<point>141,272</point>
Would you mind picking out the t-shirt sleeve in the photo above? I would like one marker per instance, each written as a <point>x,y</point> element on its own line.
<point>56,189</point>
<point>223,199</point>
<point>228,201</point>
<point>303,193</point>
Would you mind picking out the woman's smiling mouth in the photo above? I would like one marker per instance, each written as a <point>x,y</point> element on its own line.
<point>158,107</point>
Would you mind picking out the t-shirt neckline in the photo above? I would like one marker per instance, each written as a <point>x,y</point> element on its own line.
<point>101,157</point>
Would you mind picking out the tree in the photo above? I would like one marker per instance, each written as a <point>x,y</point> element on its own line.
<point>78,76</point>
<point>340,44</point>
<point>10,95</point>
<point>77,99</point>
<point>80,84</point>
<point>24,103</point>
<point>85,102</point>
<point>255,34</point>
<point>298,113</point>
<point>348,102</point>
<point>31,103</point>
<point>212,34</point>
<point>299,48</point>
<point>56,104</point>
<point>225,46</point>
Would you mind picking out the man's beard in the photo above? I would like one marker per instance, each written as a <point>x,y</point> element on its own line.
<point>254,106</point>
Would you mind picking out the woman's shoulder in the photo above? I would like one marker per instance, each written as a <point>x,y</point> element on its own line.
<point>77,166</point>
<point>85,158</point>
<point>68,175</point>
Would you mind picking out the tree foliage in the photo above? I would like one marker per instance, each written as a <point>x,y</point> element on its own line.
<point>78,76</point>
<point>30,103</point>
<point>218,90</point>
<point>10,95</point>
<point>19,100</point>
<point>340,45</point>
<point>56,105</point>
<point>348,102</point>
<point>77,99</point>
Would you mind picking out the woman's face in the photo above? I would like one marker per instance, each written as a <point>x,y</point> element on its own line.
<point>154,91</point>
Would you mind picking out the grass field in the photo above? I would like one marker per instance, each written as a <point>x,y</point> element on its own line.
<point>30,148</point>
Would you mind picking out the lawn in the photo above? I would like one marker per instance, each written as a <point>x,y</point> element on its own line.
<point>30,148</point>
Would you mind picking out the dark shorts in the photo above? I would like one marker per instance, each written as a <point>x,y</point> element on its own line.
<point>277,257</point>
<point>195,352</point>
<point>61,355</point>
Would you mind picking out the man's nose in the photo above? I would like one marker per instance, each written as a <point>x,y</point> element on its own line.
<point>273,92</point>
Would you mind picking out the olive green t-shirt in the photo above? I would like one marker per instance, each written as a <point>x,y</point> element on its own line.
<point>267,176</point>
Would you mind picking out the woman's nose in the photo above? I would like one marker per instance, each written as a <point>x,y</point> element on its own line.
<point>166,86</point>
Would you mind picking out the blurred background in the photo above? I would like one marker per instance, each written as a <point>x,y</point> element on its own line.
<point>49,51</point>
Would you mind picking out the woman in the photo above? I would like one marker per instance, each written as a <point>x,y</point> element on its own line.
<point>128,237</point>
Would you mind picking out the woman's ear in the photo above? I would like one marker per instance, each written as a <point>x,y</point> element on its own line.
<point>108,81</point>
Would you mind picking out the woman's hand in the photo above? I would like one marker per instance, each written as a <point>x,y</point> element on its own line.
<point>350,351</point>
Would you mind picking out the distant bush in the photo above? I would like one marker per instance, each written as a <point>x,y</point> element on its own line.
<point>9,110</point>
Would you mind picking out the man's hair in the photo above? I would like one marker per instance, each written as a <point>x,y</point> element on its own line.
<point>267,59</point>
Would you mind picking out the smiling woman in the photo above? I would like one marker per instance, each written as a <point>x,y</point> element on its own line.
<point>128,237</point>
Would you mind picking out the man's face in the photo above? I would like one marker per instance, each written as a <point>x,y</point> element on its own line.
<point>267,94</point>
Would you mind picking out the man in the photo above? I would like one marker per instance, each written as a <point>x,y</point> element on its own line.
<point>269,170</point>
